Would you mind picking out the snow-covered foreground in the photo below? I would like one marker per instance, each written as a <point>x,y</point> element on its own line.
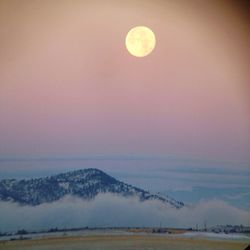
<point>222,236</point>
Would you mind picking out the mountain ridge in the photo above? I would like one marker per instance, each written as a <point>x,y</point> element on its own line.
<point>83,183</point>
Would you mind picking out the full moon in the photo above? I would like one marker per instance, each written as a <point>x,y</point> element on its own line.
<point>140,41</point>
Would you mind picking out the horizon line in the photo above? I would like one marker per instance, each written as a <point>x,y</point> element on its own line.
<point>118,157</point>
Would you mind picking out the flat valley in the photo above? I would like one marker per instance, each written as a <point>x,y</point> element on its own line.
<point>122,242</point>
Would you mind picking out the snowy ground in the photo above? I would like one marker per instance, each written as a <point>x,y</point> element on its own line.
<point>124,232</point>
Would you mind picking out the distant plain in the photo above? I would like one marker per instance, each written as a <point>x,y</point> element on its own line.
<point>122,242</point>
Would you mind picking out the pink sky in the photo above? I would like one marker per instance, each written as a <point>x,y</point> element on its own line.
<point>69,87</point>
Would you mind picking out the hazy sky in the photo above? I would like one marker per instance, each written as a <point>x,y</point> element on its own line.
<point>69,87</point>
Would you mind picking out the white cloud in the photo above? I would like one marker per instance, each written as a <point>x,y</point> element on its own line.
<point>110,210</point>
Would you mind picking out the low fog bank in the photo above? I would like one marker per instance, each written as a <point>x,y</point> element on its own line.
<point>111,210</point>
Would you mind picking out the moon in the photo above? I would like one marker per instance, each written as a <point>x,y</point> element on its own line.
<point>140,41</point>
